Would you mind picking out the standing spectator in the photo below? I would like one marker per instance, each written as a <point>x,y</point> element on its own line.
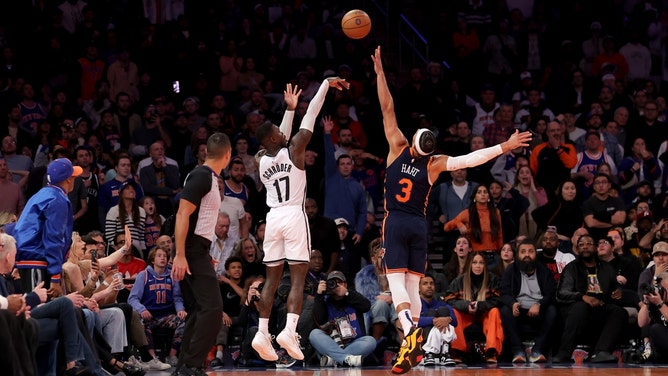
<point>536,195</point>
<point>564,213</point>
<point>84,159</point>
<point>649,128</point>
<point>342,312</point>
<point>44,230</point>
<point>222,245</point>
<point>640,165</point>
<point>19,165</point>
<point>484,110</point>
<point>90,71</point>
<point>610,61</point>
<point>123,76</point>
<point>32,112</point>
<point>589,296</point>
<point>154,221</point>
<point>475,297</point>
<point>344,196</point>
<point>511,206</point>
<point>503,126</point>
<point>551,162</point>
<point>587,164</point>
<point>343,120</point>
<point>126,120</point>
<point>110,191</point>
<point>160,180</point>
<point>157,298</point>
<point>528,291</point>
<point>127,212</point>
<point>483,222</point>
<point>602,211</point>
<point>72,14</point>
<point>194,231</point>
<point>638,58</point>
<point>12,196</point>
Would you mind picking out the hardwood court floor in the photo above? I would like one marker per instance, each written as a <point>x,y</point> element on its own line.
<point>499,370</point>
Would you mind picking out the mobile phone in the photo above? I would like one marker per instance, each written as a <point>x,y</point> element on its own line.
<point>176,86</point>
<point>93,255</point>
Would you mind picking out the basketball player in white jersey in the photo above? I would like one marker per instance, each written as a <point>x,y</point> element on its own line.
<point>287,236</point>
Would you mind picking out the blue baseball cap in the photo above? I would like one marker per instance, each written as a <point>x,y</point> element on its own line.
<point>60,170</point>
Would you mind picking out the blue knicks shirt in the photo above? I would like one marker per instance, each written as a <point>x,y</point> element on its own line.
<point>407,184</point>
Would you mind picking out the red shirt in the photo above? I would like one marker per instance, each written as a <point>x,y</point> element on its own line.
<point>132,268</point>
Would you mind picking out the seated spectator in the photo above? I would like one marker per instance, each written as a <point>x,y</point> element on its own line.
<point>507,255</point>
<point>602,210</point>
<point>640,165</point>
<point>127,212</point>
<point>160,180</point>
<point>154,221</point>
<point>457,263</point>
<point>590,299</point>
<point>349,257</point>
<point>551,256</point>
<point>157,298</point>
<point>438,319</point>
<point>564,213</point>
<point>511,204</point>
<point>372,283</point>
<point>12,195</point>
<point>528,187</point>
<point>222,246</point>
<point>528,290</point>
<point>660,265</point>
<point>249,317</point>
<point>651,316</point>
<point>475,297</point>
<point>109,194</point>
<point>231,292</point>
<point>251,258</point>
<point>627,267</point>
<point>341,337</point>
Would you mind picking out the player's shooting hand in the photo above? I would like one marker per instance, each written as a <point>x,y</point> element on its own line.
<point>180,268</point>
<point>338,83</point>
<point>291,96</point>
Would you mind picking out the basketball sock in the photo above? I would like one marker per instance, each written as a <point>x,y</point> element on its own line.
<point>291,323</point>
<point>405,320</point>
<point>412,282</point>
<point>263,326</point>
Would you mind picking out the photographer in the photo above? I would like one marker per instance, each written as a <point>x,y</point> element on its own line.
<point>652,315</point>
<point>341,338</point>
<point>249,319</point>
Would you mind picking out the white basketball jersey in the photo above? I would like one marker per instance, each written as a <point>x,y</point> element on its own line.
<point>285,183</point>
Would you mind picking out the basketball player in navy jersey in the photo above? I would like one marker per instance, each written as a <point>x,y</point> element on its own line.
<point>411,170</point>
<point>287,236</point>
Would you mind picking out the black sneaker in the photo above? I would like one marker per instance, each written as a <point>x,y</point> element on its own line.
<point>184,370</point>
<point>216,363</point>
<point>447,360</point>
<point>603,357</point>
<point>429,360</point>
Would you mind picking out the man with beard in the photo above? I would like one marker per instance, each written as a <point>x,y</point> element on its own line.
<point>345,144</point>
<point>89,220</point>
<point>589,295</point>
<point>324,236</point>
<point>551,257</point>
<point>527,291</point>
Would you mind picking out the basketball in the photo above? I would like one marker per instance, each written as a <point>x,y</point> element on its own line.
<point>356,24</point>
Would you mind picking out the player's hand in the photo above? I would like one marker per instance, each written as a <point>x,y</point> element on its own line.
<point>291,96</point>
<point>338,83</point>
<point>377,61</point>
<point>518,140</point>
<point>180,268</point>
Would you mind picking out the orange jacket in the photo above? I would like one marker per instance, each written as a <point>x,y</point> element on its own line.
<point>487,242</point>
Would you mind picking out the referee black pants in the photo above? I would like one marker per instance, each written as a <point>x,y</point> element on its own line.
<point>203,302</point>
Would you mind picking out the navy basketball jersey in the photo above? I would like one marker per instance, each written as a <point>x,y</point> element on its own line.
<point>407,184</point>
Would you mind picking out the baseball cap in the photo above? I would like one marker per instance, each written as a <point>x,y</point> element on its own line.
<point>338,275</point>
<point>644,215</point>
<point>608,76</point>
<point>127,183</point>
<point>595,26</point>
<point>341,222</point>
<point>60,170</point>
<point>660,247</point>
<point>525,75</point>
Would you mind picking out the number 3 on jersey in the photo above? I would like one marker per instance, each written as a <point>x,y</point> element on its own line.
<point>407,186</point>
<point>277,185</point>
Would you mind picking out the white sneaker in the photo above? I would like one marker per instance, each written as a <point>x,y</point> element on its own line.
<point>327,361</point>
<point>353,360</point>
<point>262,344</point>
<point>156,365</point>
<point>290,342</point>
<point>134,362</point>
<point>172,360</point>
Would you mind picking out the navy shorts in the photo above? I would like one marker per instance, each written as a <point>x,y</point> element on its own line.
<point>405,243</point>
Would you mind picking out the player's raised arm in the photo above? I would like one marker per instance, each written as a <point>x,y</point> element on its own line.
<point>291,98</point>
<point>445,163</point>
<point>395,138</point>
<point>302,138</point>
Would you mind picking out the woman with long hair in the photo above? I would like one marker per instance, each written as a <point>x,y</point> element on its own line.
<point>455,266</point>
<point>476,299</point>
<point>525,184</point>
<point>564,213</point>
<point>251,257</point>
<point>154,221</point>
<point>507,254</point>
<point>481,221</point>
<point>129,213</point>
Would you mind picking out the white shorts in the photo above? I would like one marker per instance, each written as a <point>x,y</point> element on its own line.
<point>287,236</point>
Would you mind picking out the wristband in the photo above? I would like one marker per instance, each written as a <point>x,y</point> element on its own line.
<point>659,305</point>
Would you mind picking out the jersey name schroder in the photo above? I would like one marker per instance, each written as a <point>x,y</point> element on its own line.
<point>285,183</point>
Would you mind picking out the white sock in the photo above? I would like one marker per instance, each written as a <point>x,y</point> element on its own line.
<point>263,326</point>
<point>405,320</point>
<point>219,354</point>
<point>291,323</point>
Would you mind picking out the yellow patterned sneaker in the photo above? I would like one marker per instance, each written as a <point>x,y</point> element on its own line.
<point>411,353</point>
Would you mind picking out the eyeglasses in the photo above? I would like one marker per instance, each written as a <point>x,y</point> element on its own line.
<point>100,243</point>
<point>601,242</point>
<point>585,243</point>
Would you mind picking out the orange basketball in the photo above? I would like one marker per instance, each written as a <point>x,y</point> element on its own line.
<point>356,24</point>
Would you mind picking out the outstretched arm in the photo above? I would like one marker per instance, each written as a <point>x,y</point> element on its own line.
<point>302,138</point>
<point>395,138</point>
<point>291,98</point>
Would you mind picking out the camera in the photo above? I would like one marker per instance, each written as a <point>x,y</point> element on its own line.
<point>259,288</point>
<point>654,288</point>
<point>331,285</point>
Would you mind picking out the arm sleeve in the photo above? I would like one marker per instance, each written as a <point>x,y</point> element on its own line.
<point>196,187</point>
<point>286,123</point>
<point>314,107</point>
<point>473,159</point>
